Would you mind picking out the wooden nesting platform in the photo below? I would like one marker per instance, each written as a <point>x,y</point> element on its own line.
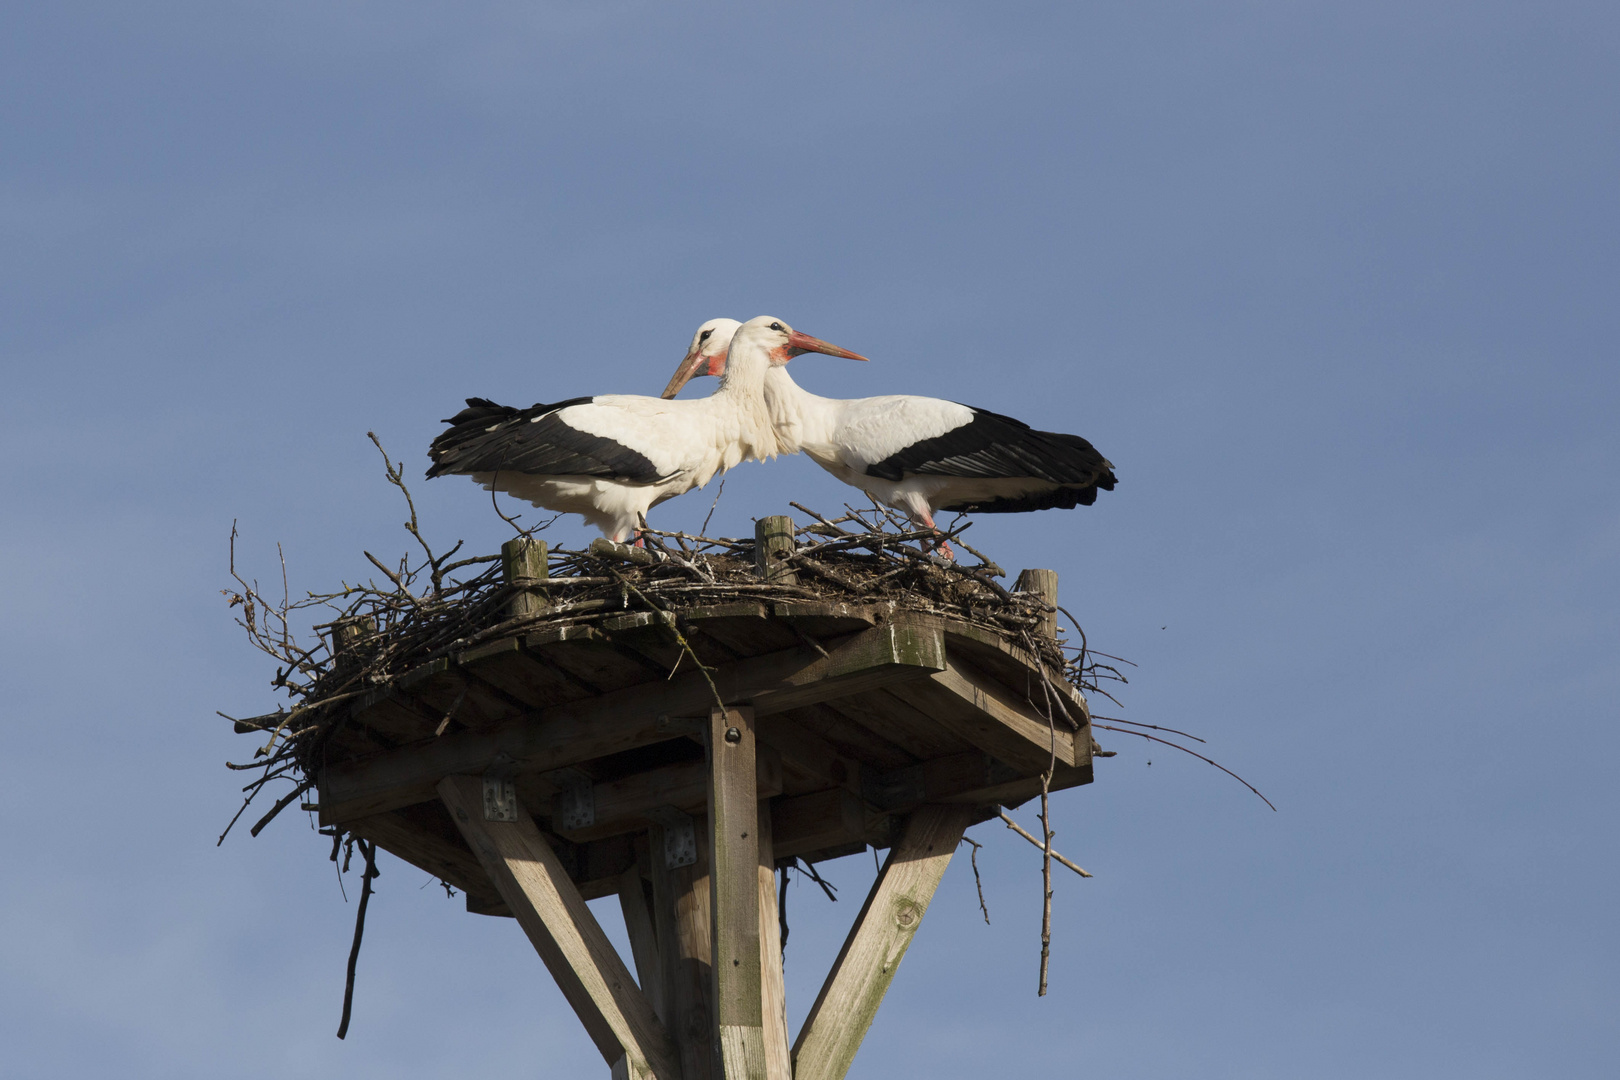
<point>575,765</point>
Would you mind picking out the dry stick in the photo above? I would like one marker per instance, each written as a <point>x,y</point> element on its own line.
<point>281,804</point>
<point>396,476</point>
<point>451,712</point>
<point>1152,727</point>
<point>369,850</point>
<point>705,526</point>
<point>1019,829</point>
<point>1194,753</point>
<point>973,857</point>
<point>1046,845</point>
<point>781,911</point>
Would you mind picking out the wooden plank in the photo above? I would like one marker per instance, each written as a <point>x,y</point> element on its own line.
<point>622,805</point>
<point>809,762</point>
<point>734,885</point>
<point>872,952</point>
<point>773,991</point>
<point>552,913</point>
<point>974,778</point>
<point>1008,663</point>
<point>635,902</point>
<point>912,730</point>
<point>825,819</point>
<point>987,716</point>
<point>575,732</point>
<point>681,919</point>
<point>853,741</point>
<point>585,654</point>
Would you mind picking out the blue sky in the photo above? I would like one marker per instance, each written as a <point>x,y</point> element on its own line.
<point>1332,285</point>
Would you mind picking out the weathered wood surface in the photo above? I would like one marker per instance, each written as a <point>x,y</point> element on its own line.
<point>622,805</point>
<point>523,564</point>
<point>423,847</point>
<point>987,715</point>
<point>872,952</point>
<point>636,904</point>
<point>574,732</point>
<point>681,919</point>
<point>773,546</point>
<point>734,885</point>
<point>773,992</point>
<point>1043,583</point>
<point>551,911</point>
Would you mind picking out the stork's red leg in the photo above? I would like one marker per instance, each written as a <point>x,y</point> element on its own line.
<point>942,546</point>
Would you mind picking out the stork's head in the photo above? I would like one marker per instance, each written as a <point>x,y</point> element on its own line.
<point>707,354</point>
<point>764,341</point>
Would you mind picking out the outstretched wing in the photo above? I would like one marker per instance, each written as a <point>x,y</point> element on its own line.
<point>488,438</point>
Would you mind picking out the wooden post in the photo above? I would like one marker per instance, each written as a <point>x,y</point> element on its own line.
<point>681,922</point>
<point>854,989</point>
<point>636,904</point>
<point>734,887</point>
<point>523,563</point>
<point>548,906</point>
<point>773,995</point>
<point>773,542</point>
<point>1043,583</point>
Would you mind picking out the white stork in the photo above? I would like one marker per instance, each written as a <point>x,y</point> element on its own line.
<point>917,454</point>
<point>613,457</point>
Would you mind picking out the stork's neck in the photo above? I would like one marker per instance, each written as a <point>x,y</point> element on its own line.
<point>742,396</point>
<point>803,421</point>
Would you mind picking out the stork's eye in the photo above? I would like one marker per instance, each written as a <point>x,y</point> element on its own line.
<point>705,335</point>
<point>776,326</point>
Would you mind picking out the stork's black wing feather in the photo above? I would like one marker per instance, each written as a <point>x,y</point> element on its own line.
<point>992,446</point>
<point>486,437</point>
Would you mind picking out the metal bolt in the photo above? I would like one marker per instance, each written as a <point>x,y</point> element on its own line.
<point>733,735</point>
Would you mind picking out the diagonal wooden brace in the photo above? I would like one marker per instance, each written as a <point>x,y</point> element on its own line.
<point>854,989</point>
<point>568,938</point>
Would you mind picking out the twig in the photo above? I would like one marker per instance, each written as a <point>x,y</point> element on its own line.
<point>1019,829</point>
<point>369,850</point>
<point>1194,753</point>
<point>973,857</point>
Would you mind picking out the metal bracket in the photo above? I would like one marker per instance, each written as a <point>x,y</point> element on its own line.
<point>574,806</point>
<point>500,799</point>
<point>680,836</point>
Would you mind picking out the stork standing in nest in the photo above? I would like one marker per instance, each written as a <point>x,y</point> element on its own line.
<point>920,455</point>
<point>613,457</point>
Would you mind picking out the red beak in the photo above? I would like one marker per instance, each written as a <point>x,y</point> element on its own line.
<point>803,343</point>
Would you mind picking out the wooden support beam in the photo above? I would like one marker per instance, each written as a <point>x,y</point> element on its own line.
<point>973,777</point>
<point>622,805</point>
<point>894,908</point>
<point>734,885</point>
<point>552,913</point>
<point>635,902</point>
<point>821,820</point>
<point>991,717</point>
<point>681,920</point>
<point>773,992</point>
<point>578,731</point>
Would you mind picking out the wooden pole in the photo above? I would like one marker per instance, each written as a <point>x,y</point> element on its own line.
<point>773,994</point>
<point>548,906</point>
<point>872,952</point>
<point>681,922</point>
<point>734,887</point>
<point>1044,583</point>
<point>773,543</point>
<point>523,563</point>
